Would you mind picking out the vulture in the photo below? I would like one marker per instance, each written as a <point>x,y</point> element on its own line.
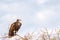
<point>14,28</point>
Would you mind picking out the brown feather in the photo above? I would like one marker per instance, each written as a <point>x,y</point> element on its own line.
<point>14,28</point>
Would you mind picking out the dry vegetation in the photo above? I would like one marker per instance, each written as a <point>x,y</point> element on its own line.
<point>42,35</point>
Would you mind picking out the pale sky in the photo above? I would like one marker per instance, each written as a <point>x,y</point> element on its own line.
<point>35,14</point>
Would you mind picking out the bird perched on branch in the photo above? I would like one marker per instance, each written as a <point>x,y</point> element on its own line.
<point>14,28</point>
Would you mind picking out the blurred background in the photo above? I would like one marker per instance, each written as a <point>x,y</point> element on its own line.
<point>35,15</point>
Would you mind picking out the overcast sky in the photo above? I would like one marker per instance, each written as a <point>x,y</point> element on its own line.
<point>35,14</point>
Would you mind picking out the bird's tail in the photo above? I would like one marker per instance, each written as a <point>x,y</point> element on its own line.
<point>11,34</point>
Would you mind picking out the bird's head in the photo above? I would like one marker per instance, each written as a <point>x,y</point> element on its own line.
<point>18,20</point>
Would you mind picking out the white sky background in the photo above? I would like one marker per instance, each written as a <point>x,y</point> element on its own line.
<point>34,14</point>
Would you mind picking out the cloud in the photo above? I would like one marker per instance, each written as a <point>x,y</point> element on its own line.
<point>46,14</point>
<point>12,6</point>
<point>49,18</point>
<point>41,1</point>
